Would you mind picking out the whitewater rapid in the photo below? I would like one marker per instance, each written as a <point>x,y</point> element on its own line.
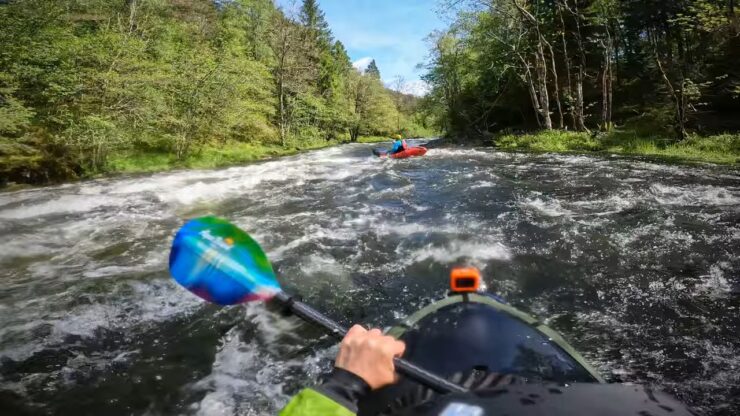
<point>635,262</point>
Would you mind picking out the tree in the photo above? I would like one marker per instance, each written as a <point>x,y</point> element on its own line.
<point>597,62</point>
<point>292,72</point>
<point>313,19</point>
<point>86,83</point>
<point>372,70</point>
<point>398,84</point>
<point>536,74</point>
<point>14,115</point>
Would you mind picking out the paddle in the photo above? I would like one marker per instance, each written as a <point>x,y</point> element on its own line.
<point>222,264</point>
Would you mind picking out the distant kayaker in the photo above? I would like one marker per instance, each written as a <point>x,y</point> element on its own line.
<point>399,144</point>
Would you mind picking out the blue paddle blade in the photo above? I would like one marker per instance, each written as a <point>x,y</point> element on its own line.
<point>222,264</point>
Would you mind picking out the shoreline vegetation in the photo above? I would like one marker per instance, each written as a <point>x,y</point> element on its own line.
<point>718,149</point>
<point>218,156</point>
<point>208,156</point>
<point>122,87</point>
<point>723,149</point>
<point>136,86</point>
<point>632,77</point>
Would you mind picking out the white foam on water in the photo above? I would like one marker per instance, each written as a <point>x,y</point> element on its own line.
<point>661,239</point>
<point>573,159</point>
<point>613,204</point>
<point>464,152</point>
<point>239,371</point>
<point>21,247</point>
<point>125,305</point>
<point>549,207</point>
<point>458,249</point>
<point>62,205</point>
<point>482,184</point>
<point>695,195</point>
<point>246,378</point>
<point>79,289</point>
<point>218,185</point>
<point>715,283</point>
<point>323,265</point>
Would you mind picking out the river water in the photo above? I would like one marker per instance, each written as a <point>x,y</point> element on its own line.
<point>634,262</point>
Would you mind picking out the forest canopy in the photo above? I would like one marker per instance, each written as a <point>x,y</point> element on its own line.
<point>83,82</point>
<point>667,68</point>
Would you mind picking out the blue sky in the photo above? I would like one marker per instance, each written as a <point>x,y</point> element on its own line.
<point>390,31</point>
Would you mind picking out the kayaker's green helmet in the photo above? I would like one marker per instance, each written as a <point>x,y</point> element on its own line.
<point>397,137</point>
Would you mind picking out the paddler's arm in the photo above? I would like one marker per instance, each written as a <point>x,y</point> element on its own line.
<point>337,396</point>
<point>364,363</point>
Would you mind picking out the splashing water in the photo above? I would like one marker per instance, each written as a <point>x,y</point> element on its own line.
<point>635,262</point>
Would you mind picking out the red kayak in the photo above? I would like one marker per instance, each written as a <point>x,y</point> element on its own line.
<point>410,152</point>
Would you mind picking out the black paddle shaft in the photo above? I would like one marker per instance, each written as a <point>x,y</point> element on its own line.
<point>404,367</point>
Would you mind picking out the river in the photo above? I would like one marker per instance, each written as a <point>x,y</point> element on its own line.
<point>635,262</point>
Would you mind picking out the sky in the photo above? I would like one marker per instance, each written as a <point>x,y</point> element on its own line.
<point>390,31</point>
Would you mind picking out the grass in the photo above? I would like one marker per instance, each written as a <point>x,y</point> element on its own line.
<point>212,156</point>
<point>722,149</point>
<point>373,139</point>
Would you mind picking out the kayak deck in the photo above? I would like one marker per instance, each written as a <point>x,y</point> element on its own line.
<point>478,337</point>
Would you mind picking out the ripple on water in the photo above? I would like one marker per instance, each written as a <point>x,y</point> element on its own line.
<point>635,261</point>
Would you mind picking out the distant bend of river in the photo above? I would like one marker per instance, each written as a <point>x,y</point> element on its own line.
<point>636,263</point>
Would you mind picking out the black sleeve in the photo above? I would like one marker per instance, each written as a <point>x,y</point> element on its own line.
<point>344,388</point>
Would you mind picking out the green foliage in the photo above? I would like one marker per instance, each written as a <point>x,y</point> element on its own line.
<point>98,86</point>
<point>313,18</point>
<point>549,141</point>
<point>14,116</point>
<point>633,60</point>
<point>373,70</point>
<point>210,155</point>
<point>724,148</point>
<point>373,139</point>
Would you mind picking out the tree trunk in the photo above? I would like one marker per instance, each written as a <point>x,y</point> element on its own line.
<point>557,88</point>
<point>132,15</point>
<point>579,104</point>
<point>606,84</point>
<point>534,98</point>
<point>281,114</point>
<point>679,101</point>
<point>580,119</point>
<point>542,85</point>
<point>605,110</point>
<point>540,67</point>
<point>566,58</point>
<point>532,89</point>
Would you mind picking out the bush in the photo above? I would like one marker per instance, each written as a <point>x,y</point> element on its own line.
<point>549,141</point>
<point>723,148</point>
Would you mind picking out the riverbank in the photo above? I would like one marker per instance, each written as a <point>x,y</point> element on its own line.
<point>720,149</point>
<point>216,156</point>
<point>210,156</point>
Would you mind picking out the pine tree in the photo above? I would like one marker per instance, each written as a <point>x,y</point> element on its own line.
<point>341,58</point>
<point>314,19</point>
<point>372,70</point>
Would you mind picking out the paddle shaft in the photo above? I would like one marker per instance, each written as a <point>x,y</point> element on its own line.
<point>404,367</point>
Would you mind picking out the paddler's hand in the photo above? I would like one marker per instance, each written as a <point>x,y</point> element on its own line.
<point>369,355</point>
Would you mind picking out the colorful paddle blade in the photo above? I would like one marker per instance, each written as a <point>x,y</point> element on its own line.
<point>221,263</point>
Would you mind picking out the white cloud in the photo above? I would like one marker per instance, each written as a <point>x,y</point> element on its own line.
<point>362,63</point>
<point>415,87</point>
